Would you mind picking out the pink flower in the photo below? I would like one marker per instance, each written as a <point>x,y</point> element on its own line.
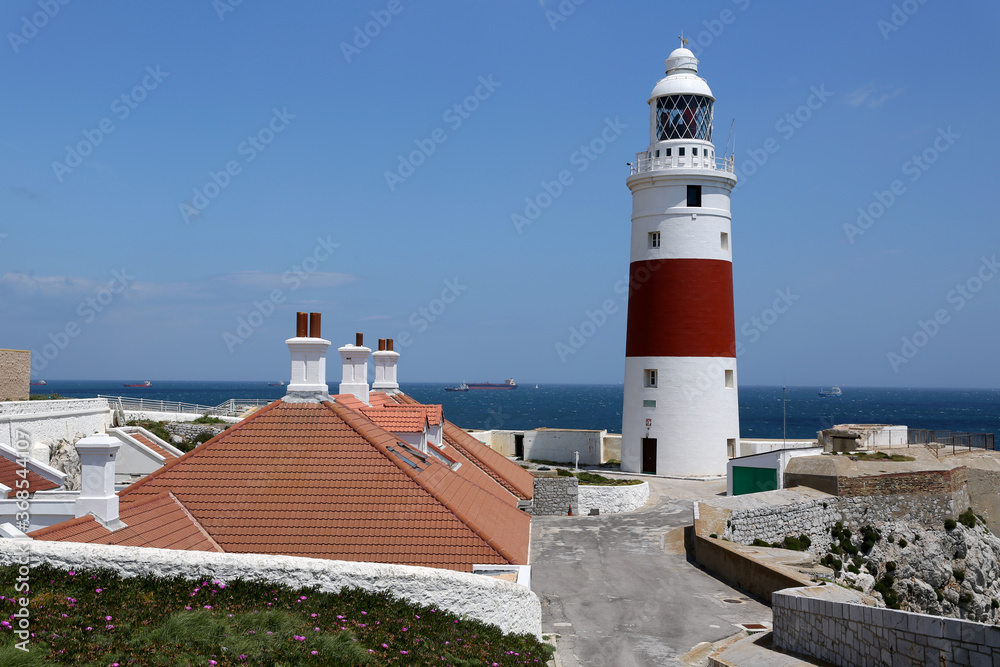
<point>97,590</point>
<point>315,652</point>
<point>107,618</point>
<point>385,646</point>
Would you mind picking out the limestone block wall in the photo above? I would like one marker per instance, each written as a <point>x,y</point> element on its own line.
<point>829,623</point>
<point>15,375</point>
<point>53,420</point>
<point>612,499</point>
<point>511,607</point>
<point>813,517</point>
<point>189,431</point>
<point>555,496</point>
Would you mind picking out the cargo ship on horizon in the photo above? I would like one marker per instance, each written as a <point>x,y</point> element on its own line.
<point>506,384</point>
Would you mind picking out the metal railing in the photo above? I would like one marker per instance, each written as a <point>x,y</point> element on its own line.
<point>234,407</point>
<point>644,164</point>
<point>957,441</point>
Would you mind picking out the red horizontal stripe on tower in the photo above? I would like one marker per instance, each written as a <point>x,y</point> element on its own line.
<point>681,308</point>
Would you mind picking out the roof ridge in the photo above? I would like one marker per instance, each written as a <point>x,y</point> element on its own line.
<point>198,448</point>
<point>196,522</point>
<point>472,525</point>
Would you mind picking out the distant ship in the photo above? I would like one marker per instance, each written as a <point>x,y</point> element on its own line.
<point>38,383</point>
<point>832,391</point>
<point>507,384</point>
<point>144,383</point>
<point>279,383</point>
<point>461,387</point>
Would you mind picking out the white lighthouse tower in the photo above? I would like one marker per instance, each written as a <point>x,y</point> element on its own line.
<point>681,415</point>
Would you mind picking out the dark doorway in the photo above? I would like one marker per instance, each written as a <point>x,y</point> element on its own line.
<point>519,445</point>
<point>649,455</point>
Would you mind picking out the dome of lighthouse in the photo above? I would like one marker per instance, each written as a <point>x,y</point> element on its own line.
<point>682,77</point>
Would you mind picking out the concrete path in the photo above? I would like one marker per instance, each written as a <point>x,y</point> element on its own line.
<point>620,592</point>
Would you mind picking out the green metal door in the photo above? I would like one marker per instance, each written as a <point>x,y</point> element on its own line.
<point>752,480</point>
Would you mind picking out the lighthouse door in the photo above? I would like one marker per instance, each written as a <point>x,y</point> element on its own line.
<point>649,455</point>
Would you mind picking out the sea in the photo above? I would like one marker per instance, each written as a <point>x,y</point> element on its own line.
<point>765,412</point>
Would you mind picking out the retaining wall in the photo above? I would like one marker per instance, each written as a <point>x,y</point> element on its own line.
<point>829,623</point>
<point>511,607</point>
<point>612,499</point>
<point>53,420</point>
<point>814,516</point>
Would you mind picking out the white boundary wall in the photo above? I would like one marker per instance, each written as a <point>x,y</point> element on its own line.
<point>511,607</point>
<point>57,419</point>
<point>612,499</point>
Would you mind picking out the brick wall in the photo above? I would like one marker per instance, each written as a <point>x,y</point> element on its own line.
<point>15,374</point>
<point>927,481</point>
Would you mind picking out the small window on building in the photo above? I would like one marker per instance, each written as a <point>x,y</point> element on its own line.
<point>694,195</point>
<point>648,404</point>
<point>657,153</point>
<point>694,151</point>
<point>650,377</point>
<point>725,241</point>
<point>729,379</point>
<point>667,152</point>
<point>680,151</point>
<point>731,447</point>
<point>654,239</point>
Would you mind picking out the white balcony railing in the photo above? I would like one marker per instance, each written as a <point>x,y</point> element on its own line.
<point>644,164</point>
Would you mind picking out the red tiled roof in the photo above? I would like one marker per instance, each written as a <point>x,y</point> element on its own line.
<point>398,419</point>
<point>324,481</point>
<point>513,477</point>
<point>158,521</point>
<point>10,476</point>
<point>152,445</point>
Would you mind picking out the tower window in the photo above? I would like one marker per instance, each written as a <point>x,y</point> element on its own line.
<point>646,403</point>
<point>657,153</point>
<point>680,151</point>
<point>694,195</point>
<point>666,152</point>
<point>654,239</point>
<point>650,377</point>
<point>729,379</point>
<point>725,241</point>
<point>694,151</point>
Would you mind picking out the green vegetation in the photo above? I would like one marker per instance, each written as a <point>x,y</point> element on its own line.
<point>205,419</point>
<point>869,536</point>
<point>96,619</point>
<point>889,594</point>
<point>959,575</point>
<point>156,428</point>
<point>714,536</point>
<point>882,456</point>
<point>940,595</point>
<point>965,598</point>
<point>902,543</point>
<point>949,524</point>
<point>593,479</point>
<point>967,518</point>
<point>46,397</point>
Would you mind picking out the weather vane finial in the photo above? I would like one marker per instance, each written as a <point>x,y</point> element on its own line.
<point>684,42</point>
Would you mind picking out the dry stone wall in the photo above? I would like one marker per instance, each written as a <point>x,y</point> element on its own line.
<point>555,495</point>
<point>15,375</point>
<point>814,517</point>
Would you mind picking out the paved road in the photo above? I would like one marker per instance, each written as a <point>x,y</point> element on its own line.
<point>620,592</point>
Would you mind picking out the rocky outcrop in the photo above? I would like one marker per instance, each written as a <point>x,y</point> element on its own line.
<point>945,572</point>
<point>64,458</point>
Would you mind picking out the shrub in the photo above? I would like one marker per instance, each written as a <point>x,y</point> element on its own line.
<point>965,598</point>
<point>959,575</point>
<point>949,524</point>
<point>994,603</point>
<point>968,518</point>
<point>940,595</point>
<point>205,419</point>
<point>903,543</point>
<point>757,542</point>
<point>564,473</point>
<point>800,543</point>
<point>890,566</point>
<point>853,568</point>
<point>714,536</point>
<point>203,437</point>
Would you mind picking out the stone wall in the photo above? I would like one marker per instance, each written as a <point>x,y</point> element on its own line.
<point>190,431</point>
<point>511,607</point>
<point>555,496</point>
<point>830,624</point>
<point>15,375</point>
<point>612,499</point>
<point>815,516</point>
<point>923,481</point>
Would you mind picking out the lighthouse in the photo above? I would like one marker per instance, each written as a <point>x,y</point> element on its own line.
<point>681,415</point>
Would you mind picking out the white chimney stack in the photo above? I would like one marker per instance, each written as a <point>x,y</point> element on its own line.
<point>355,365</point>
<point>97,478</point>
<point>308,351</point>
<point>385,367</point>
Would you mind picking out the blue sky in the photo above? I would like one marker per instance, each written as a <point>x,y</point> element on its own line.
<point>177,179</point>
